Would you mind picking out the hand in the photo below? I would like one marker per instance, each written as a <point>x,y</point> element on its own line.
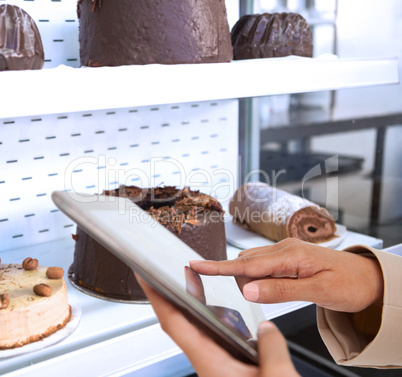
<point>208,358</point>
<point>294,270</point>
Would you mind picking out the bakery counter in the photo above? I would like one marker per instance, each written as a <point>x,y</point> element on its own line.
<point>141,85</point>
<point>114,338</point>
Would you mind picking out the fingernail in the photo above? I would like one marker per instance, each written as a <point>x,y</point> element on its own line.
<point>265,326</point>
<point>194,262</point>
<point>251,292</point>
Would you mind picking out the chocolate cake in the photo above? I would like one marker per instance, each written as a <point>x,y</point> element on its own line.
<point>271,35</point>
<point>124,32</point>
<point>20,41</point>
<point>277,214</point>
<point>196,218</point>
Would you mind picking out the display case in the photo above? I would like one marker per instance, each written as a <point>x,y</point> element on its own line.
<point>90,129</point>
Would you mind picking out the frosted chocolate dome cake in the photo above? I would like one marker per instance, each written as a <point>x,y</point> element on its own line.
<point>196,218</point>
<point>124,32</point>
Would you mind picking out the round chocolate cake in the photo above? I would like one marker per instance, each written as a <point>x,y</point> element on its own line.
<point>20,41</point>
<point>124,32</point>
<point>196,218</point>
<point>271,35</point>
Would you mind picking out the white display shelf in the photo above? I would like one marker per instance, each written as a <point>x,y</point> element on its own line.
<point>115,338</point>
<point>65,89</point>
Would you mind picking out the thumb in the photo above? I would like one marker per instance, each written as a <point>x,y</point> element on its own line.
<point>274,357</point>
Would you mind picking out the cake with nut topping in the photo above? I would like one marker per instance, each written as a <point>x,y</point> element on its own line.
<point>33,303</point>
<point>194,217</point>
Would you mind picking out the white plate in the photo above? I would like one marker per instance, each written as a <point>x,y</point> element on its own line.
<point>245,239</point>
<point>52,339</point>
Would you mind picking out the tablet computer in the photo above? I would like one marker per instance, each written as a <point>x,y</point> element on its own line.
<point>214,303</point>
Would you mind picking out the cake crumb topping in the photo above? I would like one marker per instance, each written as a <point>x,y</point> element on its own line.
<point>170,206</point>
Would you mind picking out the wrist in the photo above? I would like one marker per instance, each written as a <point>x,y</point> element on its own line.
<point>377,283</point>
<point>373,274</point>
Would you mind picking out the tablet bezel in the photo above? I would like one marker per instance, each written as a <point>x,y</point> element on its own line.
<point>76,206</point>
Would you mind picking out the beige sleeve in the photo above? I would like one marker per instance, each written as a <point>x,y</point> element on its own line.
<point>344,333</point>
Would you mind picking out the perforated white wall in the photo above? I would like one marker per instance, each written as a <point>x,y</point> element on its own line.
<point>193,144</point>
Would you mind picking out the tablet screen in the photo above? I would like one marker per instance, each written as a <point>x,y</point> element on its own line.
<point>161,258</point>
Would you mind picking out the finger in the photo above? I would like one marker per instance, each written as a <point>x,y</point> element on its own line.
<point>274,290</point>
<point>242,281</point>
<point>226,268</point>
<point>243,266</point>
<point>259,266</point>
<point>209,266</point>
<point>288,242</point>
<point>255,266</point>
<point>255,250</point>
<point>194,285</point>
<point>274,357</point>
<point>289,257</point>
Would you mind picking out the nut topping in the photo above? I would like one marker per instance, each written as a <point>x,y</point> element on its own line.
<point>4,301</point>
<point>43,290</point>
<point>30,264</point>
<point>54,272</point>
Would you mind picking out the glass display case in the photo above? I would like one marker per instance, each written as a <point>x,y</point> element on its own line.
<point>310,122</point>
<point>348,138</point>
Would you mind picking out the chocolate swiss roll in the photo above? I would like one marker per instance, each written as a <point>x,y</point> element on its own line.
<point>277,214</point>
<point>20,41</point>
<point>271,35</point>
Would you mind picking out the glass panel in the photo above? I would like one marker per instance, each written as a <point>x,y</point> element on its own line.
<point>336,148</point>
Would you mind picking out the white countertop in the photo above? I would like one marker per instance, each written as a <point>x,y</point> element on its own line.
<point>115,338</point>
